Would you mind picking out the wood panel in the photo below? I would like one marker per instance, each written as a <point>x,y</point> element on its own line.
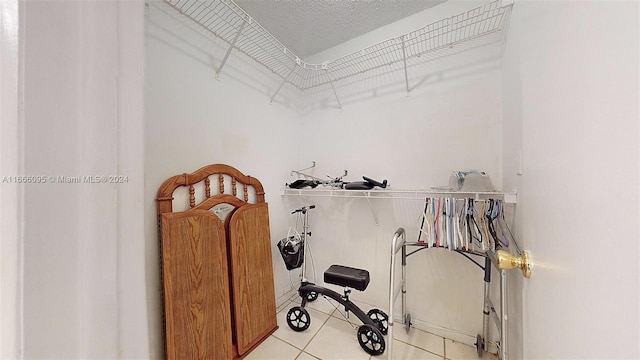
<point>252,275</point>
<point>196,279</point>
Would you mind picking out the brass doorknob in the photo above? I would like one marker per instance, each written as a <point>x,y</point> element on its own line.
<point>504,261</point>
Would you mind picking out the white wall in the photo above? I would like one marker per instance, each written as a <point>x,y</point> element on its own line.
<point>450,120</point>
<point>570,106</point>
<point>414,142</point>
<point>193,120</point>
<point>88,294</point>
<point>10,216</point>
<point>82,292</point>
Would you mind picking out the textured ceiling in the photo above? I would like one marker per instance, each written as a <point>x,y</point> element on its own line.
<point>310,26</point>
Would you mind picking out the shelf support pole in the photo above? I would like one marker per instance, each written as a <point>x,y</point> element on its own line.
<point>333,88</point>
<point>283,82</point>
<point>373,210</point>
<point>404,60</point>
<point>231,46</point>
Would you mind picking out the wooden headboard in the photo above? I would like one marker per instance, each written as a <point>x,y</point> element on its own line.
<point>224,174</point>
<point>218,295</point>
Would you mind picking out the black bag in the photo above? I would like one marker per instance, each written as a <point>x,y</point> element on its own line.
<point>292,251</point>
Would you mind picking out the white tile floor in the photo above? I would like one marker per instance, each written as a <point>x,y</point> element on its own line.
<point>329,336</point>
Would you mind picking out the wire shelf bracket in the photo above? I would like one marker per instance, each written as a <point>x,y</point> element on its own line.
<point>478,27</point>
<point>404,61</point>
<point>231,46</point>
<point>334,90</point>
<point>282,83</point>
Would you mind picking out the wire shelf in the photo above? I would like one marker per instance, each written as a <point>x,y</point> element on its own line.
<point>481,26</point>
<point>408,194</point>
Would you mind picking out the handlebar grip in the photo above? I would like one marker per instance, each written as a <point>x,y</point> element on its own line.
<point>304,209</point>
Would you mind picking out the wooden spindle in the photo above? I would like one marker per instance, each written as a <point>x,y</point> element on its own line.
<point>192,196</point>
<point>234,189</point>
<point>207,187</point>
<point>246,193</point>
<point>221,183</point>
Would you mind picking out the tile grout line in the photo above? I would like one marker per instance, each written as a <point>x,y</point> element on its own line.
<point>311,339</point>
<point>316,333</point>
<point>421,348</point>
<point>285,341</point>
<point>332,315</point>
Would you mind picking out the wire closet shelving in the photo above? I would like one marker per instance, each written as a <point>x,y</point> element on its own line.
<point>483,25</point>
<point>409,194</point>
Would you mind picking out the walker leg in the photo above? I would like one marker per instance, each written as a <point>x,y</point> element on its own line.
<point>503,315</point>
<point>405,316</point>
<point>481,343</point>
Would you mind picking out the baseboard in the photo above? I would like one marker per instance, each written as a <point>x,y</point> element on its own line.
<point>285,297</point>
<point>455,335</point>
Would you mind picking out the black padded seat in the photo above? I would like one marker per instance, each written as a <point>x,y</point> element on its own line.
<point>347,276</point>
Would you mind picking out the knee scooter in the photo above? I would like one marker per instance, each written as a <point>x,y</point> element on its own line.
<point>374,323</point>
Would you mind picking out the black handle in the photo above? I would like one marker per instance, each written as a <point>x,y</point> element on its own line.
<point>382,184</point>
<point>304,209</point>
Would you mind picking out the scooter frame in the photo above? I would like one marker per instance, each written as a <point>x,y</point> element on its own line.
<point>375,322</point>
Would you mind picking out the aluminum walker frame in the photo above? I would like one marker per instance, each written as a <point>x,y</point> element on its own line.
<point>399,244</point>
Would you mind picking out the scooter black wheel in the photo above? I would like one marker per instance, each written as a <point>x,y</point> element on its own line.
<point>479,345</point>
<point>371,340</point>
<point>298,318</point>
<point>380,319</point>
<point>407,323</point>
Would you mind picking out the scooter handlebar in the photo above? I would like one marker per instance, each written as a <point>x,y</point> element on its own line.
<point>304,209</point>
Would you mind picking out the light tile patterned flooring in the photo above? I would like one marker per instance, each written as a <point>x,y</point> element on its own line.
<point>329,337</point>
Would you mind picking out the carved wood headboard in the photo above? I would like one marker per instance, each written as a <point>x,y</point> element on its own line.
<point>196,247</point>
<point>224,175</point>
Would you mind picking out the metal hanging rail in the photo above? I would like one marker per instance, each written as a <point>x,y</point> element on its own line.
<point>478,27</point>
